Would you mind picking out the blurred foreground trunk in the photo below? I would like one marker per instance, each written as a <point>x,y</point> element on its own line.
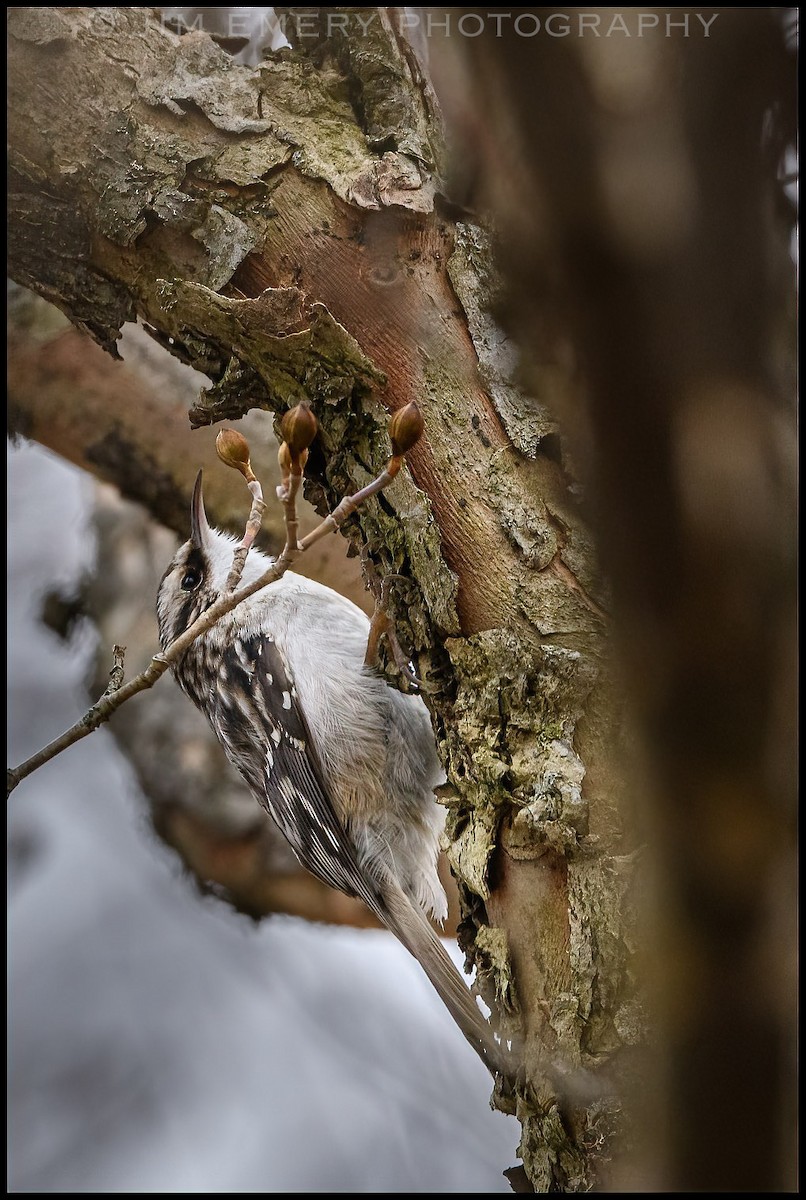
<point>645,224</point>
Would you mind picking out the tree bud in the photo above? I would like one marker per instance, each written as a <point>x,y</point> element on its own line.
<point>233,450</point>
<point>298,428</point>
<point>405,428</point>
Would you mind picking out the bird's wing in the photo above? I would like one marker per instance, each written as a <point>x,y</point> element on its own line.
<point>259,720</point>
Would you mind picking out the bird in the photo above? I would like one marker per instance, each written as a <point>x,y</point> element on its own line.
<point>344,764</point>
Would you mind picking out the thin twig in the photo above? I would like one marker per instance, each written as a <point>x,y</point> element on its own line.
<point>347,506</point>
<point>250,533</point>
<point>120,693</point>
<point>93,717</point>
<point>110,703</point>
<point>287,494</point>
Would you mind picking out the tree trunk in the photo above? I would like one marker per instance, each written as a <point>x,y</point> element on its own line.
<point>649,227</point>
<point>284,231</point>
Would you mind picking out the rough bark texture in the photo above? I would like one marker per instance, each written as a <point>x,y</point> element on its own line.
<point>282,230</point>
<point>650,229</point>
<point>128,426</point>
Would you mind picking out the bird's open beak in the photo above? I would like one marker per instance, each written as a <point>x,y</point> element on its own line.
<point>199,526</point>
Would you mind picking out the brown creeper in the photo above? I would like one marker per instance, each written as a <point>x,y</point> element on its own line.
<point>344,764</point>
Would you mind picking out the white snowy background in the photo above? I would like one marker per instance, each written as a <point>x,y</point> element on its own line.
<point>158,1041</point>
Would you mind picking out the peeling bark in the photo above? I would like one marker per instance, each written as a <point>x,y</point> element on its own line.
<point>128,426</point>
<point>282,230</point>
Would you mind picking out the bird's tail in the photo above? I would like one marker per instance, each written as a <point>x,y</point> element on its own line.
<point>414,931</point>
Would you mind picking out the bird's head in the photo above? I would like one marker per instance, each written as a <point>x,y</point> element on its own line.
<point>197,574</point>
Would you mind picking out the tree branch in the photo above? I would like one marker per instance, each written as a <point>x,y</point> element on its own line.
<point>68,395</point>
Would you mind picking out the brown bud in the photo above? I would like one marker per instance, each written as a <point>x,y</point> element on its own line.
<point>291,464</point>
<point>298,428</point>
<point>284,458</point>
<point>233,450</point>
<point>405,428</point>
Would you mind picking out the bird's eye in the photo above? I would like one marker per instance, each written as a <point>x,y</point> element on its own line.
<point>191,579</point>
